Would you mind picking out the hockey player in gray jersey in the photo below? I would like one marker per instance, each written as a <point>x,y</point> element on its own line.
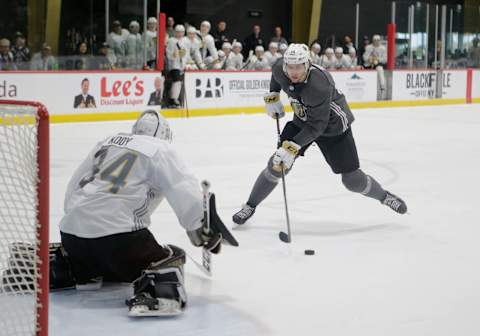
<point>321,115</point>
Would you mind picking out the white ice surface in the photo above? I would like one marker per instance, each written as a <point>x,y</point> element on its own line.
<point>374,272</point>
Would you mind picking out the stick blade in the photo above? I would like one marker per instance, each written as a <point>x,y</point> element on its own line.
<point>284,237</point>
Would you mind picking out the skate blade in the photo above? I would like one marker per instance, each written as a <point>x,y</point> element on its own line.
<point>171,308</point>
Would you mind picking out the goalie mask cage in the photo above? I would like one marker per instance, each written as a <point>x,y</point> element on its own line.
<point>24,197</point>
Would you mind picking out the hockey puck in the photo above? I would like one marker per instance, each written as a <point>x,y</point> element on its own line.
<point>309,252</point>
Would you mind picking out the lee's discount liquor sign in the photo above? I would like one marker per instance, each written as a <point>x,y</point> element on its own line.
<point>418,85</point>
<point>86,92</point>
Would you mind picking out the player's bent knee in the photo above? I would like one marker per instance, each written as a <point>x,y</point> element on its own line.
<point>355,181</point>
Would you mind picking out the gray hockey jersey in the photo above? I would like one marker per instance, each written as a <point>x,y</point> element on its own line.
<point>320,108</point>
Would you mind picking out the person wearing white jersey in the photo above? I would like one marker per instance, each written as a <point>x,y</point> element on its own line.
<point>375,57</point>
<point>178,56</point>
<point>116,41</point>
<point>328,60</point>
<point>108,204</point>
<point>272,53</point>
<point>134,47</point>
<point>341,61</point>
<point>352,53</point>
<point>151,42</point>
<point>315,53</point>
<point>236,57</point>
<point>282,47</point>
<point>195,62</point>
<point>207,47</point>
<point>259,61</point>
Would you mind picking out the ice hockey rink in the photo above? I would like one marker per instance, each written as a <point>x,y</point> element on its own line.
<point>374,272</point>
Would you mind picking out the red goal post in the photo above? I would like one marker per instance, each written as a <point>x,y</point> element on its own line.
<point>24,150</point>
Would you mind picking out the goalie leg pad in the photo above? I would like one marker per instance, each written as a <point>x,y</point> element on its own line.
<point>21,267</point>
<point>61,273</point>
<point>160,291</point>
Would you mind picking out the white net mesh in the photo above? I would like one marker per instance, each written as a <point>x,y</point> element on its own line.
<point>18,221</point>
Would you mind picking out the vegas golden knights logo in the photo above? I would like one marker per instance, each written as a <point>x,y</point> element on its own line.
<point>299,109</point>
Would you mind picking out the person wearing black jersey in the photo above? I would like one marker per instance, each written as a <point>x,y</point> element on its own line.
<point>321,115</point>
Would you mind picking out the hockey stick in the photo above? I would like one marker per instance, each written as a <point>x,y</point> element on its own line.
<point>200,266</point>
<point>206,255</point>
<point>285,237</point>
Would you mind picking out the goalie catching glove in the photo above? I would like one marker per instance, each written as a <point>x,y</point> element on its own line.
<point>285,155</point>
<point>273,105</point>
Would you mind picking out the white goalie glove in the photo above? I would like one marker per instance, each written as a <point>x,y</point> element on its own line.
<point>273,105</point>
<point>285,155</point>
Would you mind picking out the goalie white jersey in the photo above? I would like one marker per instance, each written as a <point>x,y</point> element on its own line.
<point>122,181</point>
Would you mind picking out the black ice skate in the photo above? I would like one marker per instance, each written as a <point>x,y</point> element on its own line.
<point>244,214</point>
<point>395,203</point>
<point>143,304</point>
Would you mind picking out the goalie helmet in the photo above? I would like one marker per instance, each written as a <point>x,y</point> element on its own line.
<point>153,124</point>
<point>297,54</point>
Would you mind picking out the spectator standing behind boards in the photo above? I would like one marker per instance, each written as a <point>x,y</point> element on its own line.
<point>195,61</point>
<point>134,47</point>
<point>253,40</point>
<point>272,53</point>
<point>6,57</point>
<point>178,55</point>
<point>281,48</point>
<point>235,61</point>
<point>227,50</point>
<point>375,54</point>
<point>278,37</point>
<point>43,60</point>
<point>220,35</point>
<point>362,48</point>
<point>352,53</point>
<point>116,41</point>
<point>170,27</point>
<point>207,46</point>
<point>341,61</point>
<point>82,58</point>
<point>328,60</point>
<point>20,52</point>
<point>84,100</point>
<point>259,61</point>
<point>315,53</point>
<point>102,61</point>
<point>347,44</point>
<point>151,42</point>
<point>474,53</point>
<point>375,57</point>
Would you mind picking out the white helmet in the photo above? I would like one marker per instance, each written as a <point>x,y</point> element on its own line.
<point>297,54</point>
<point>180,28</point>
<point>153,124</point>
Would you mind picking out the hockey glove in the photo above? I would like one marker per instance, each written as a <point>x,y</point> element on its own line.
<point>273,105</point>
<point>285,155</point>
<point>210,241</point>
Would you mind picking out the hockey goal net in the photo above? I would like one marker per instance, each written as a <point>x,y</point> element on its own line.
<point>24,194</point>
